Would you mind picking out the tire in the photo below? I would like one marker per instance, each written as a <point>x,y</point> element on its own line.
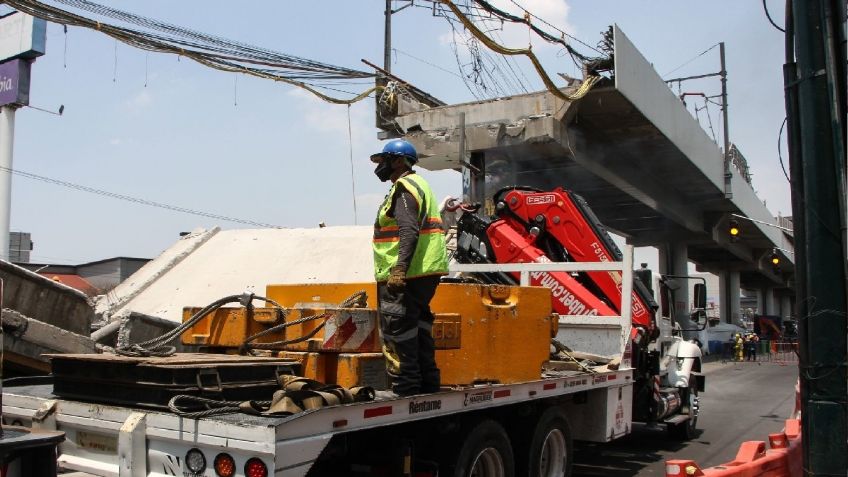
<point>549,452</point>
<point>687,430</point>
<point>485,452</point>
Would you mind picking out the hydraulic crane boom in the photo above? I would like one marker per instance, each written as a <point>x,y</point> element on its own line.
<point>536,226</point>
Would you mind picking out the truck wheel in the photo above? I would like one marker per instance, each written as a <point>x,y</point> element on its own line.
<point>549,454</point>
<point>687,430</point>
<point>486,452</point>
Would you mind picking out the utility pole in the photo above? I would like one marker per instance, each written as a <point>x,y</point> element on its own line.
<point>728,191</point>
<point>387,39</point>
<point>814,80</point>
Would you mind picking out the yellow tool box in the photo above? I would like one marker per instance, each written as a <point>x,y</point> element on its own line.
<point>503,332</point>
<point>483,333</point>
<point>506,332</point>
<point>228,328</point>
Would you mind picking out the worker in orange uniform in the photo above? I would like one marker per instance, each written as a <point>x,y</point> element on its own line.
<point>409,259</point>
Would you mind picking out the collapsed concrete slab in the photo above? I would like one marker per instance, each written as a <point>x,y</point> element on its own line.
<point>208,265</point>
<point>26,341</point>
<point>41,316</point>
<point>45,300</point>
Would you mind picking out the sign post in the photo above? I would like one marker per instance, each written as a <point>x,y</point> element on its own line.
<point>22,39</point>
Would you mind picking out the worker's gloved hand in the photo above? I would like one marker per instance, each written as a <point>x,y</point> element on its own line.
<point>397,279</point>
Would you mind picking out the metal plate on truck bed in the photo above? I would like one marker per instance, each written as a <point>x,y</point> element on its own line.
<point>153,381</point>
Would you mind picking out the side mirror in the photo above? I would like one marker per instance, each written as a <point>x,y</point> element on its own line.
<point>700,296</point>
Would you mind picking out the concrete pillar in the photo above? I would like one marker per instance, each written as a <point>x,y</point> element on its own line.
<point>769,301</point>
<point>786,307</point>
<point>729,297</point>
<point>674,260</point>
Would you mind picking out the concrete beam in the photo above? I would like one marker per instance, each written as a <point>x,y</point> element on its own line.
<point>630,176</point>
<point>45,300</point>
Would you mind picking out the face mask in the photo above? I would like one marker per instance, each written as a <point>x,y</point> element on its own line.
<point>384,170</point>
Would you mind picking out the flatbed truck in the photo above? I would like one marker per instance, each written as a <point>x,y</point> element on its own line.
<point>488,429</point>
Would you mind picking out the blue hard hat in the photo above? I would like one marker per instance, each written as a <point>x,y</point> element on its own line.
<point>397,147</point>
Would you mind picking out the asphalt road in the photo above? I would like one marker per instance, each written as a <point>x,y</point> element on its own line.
<point>742,402</point>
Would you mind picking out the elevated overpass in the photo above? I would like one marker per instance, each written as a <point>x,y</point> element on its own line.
<point>630,147</point>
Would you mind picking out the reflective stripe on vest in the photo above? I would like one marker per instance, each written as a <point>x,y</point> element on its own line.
<point>430,257</point>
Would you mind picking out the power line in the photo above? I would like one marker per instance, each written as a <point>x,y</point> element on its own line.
<point>208,50</point>
<point>581,91</point>
<point>352,177</point>
<point>136,200</point>
<point>459,65</point>
<point>427,62</point>
<point>768,15</point>
<point>563,33</point>
<point>692,59</point>
<point>483,10</point>
<point>779,153</point>
<point>507,60</point>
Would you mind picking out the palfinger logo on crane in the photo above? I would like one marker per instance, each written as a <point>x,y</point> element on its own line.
<point>541,199</point>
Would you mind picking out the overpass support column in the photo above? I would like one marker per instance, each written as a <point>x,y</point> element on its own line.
<point>729,297</point>
<point>786,307</point>
<point>674,260</point>
<point>769,301</point>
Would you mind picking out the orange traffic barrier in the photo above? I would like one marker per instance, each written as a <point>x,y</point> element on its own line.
<point>782,459</point>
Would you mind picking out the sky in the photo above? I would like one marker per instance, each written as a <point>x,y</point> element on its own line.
<point>165,129</point>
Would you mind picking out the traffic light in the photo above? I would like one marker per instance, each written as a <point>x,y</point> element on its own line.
<point>733,230</point>
<point>775,261</point>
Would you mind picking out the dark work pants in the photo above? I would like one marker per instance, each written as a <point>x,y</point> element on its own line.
<point>407,323</point>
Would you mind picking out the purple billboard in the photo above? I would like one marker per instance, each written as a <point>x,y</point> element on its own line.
<point>14,82</point>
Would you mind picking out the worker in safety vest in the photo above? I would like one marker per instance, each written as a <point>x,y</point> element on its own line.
<point>409,258</point>
<point>738,346</point>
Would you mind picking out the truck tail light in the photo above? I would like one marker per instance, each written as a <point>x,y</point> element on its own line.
<point>195,461</point>
<point>255,468</point>
<point>225,466</point>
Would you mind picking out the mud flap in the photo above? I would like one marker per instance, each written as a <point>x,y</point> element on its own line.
<point>700,379</point>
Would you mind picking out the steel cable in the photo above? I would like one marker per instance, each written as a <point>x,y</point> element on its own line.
<point>214,407</point>
<point>207,50</point>
<point>158,346</point>
<point>549,84</point>
<point>357,299</point>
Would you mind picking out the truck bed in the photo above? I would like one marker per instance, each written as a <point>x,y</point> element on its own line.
<point>99,437</point>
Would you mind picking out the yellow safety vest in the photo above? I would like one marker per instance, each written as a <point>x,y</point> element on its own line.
<point>430,257</point>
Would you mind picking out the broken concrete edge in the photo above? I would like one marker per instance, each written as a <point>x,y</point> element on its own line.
<point>44,335</point>
<point>133,319</point>
<point>43,281</point>
<point>148,274</point>
<point>439,148</point>
<point>127,328</point>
